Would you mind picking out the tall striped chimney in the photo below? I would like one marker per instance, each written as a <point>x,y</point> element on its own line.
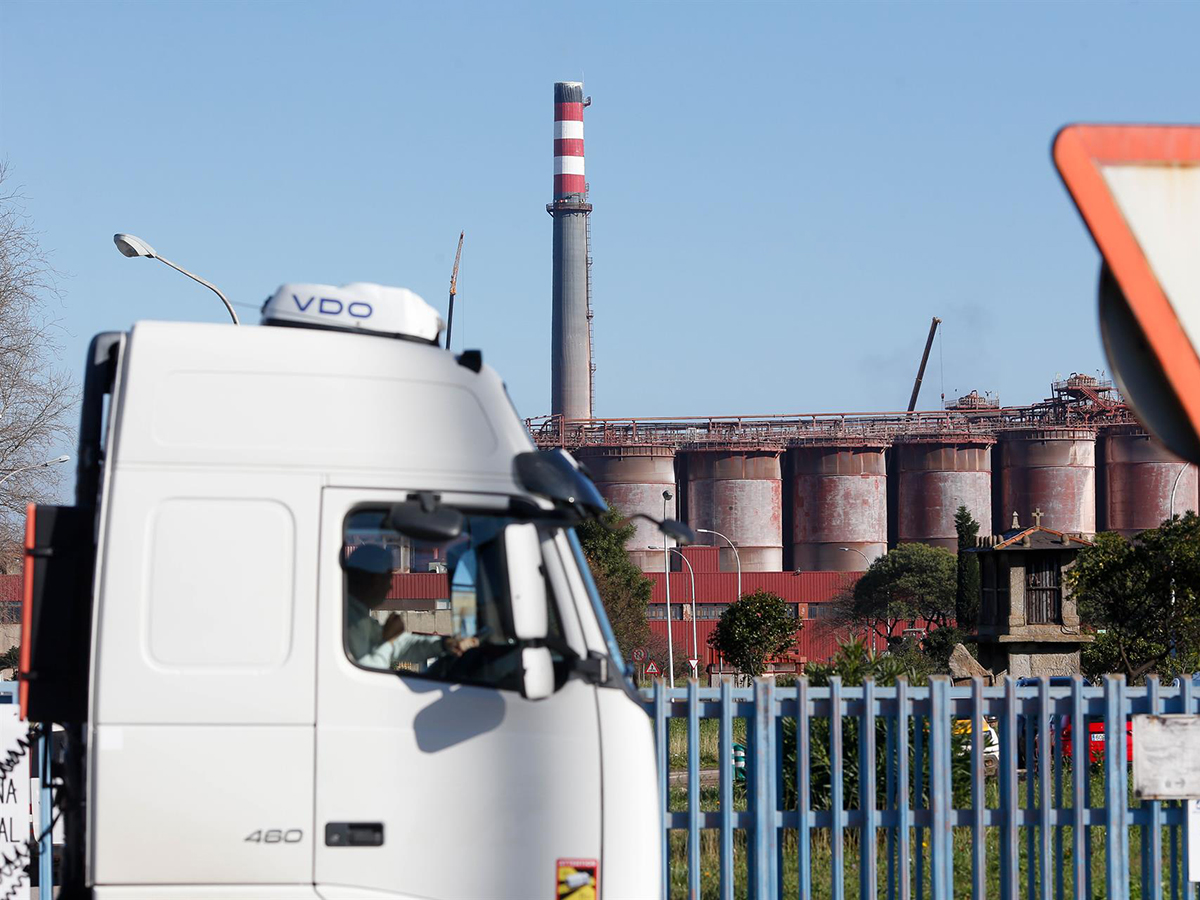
<point>570,341</point>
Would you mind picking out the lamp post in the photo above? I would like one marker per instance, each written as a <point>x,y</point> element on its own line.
<point>667,495</point>
<point>736,557</point>
<point>859,552</point>
<point>134,246</point>
<point>40,465</point>
<point>691,572</point>
<point>1175,486</point>
<point>889,611</point>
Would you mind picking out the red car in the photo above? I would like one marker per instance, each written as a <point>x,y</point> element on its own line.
<point>1095,738</point>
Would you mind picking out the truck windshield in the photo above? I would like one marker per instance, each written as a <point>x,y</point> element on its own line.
<point>610,638</point>
<point>439,610</point>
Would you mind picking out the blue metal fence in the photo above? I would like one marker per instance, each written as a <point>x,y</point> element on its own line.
<point>942,827</point>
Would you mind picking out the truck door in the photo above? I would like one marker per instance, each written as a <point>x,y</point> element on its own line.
<point>436,778</point>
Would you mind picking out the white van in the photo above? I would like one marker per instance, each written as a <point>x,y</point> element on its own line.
<point>226,622</point>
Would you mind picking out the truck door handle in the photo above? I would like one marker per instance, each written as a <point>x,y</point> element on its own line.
<point>353,834</point>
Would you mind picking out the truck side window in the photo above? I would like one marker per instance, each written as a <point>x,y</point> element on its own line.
<point>429,609</point>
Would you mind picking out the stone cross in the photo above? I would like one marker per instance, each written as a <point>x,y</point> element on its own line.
<point>1037,517</point>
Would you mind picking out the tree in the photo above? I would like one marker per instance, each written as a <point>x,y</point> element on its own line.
<point>911,583</point>
<point>1143,598</point>
<point>966,601</point>
<point>623,589</point>
<point>34,398</point>
<point>754,627</point>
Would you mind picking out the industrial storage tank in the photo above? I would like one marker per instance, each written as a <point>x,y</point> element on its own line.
<point>1141,482</point>
<point>935,476</point>
<point>632,479</point>
<point>738,493</point>
<point>839,507</point>
<point>1051,470</point>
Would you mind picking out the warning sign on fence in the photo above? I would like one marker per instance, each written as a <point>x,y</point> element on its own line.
<point>15,817</point>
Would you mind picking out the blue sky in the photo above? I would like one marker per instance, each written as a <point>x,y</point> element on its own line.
<point>784,193</point>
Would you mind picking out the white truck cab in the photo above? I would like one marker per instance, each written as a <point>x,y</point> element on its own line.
<point>318,626</point>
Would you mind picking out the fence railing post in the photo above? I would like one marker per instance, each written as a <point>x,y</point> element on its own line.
<point>837,804</point>
<point>803,788</point>
<point>725,748</point>
<point>1116,787</point>
<point>940,858</point>
<point>1044,755</point>
<point>868,857</point>
<point>1152,834</point>
<point>978,834</point>
<point>1080,763</point>
<point>662,742</point>
<point>762,867</point>
<point>693,790</point>
<point>1009,864</point>
<point>903,776</point>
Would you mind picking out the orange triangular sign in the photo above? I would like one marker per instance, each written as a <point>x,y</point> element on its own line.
<point>1138,190</point>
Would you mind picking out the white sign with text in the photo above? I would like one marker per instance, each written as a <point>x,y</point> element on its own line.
<point>15,815</point>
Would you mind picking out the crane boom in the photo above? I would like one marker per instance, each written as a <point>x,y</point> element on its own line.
<point>453,289</point>
<point>912,401</point>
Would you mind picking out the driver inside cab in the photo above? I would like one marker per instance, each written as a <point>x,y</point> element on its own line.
<point>384,646</point>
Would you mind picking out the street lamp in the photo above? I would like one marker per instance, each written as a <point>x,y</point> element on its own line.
<point>888,612</point>
<point>695,648</point>
<point>859,552</point>
<point>40,465</point>
<point>134,246</point>
<point>1182,468</point>
<point>736,557</point>
<point>667,495</point>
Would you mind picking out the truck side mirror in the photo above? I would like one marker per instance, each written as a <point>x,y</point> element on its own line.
<point>537,673</point>
<point>526,584</point>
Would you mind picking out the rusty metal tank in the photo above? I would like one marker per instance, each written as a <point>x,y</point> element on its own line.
<point>935,476</point>
<point>839,501</point>
<point>1051,469</point>
<point>633,479</point>
<point>740,494</point>
<point>1138,480</point>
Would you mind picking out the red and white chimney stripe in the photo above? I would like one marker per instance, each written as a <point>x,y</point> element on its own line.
<point>568,139</point>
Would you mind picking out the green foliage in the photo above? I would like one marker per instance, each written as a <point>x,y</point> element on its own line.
<point>624,590</point>
<point>11,658</point>
<point>911,582</point>
<point>1143,598</point>
<point>854,663</point>
<point>966,600</point>
<point>755,627</point>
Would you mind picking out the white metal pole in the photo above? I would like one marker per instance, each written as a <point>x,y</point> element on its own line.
<point>1182,469</point>
<point>692,573</point>
<point>667,580</point>
<point>40,465</point>
<point>736,556</point>
<point>208,284</point>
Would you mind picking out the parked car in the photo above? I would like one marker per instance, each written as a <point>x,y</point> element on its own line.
<point>1062,724</point>
<point>991,743</point>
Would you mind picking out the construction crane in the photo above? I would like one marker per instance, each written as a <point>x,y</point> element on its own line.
<point>454,290</point>
<point>912,401</point>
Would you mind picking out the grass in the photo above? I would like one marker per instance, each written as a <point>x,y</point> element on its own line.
<point>709,741</point>
<point>962,838</point>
